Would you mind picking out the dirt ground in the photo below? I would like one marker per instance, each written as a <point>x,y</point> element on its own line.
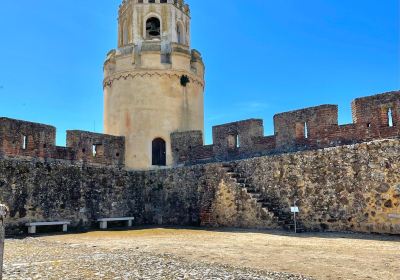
<point>319,255</point>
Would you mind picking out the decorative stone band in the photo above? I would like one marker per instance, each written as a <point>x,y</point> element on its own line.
<point>156,73</point>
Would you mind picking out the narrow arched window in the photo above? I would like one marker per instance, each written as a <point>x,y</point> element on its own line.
<point>390,117</point>
<point>306,130</point>
<point>159,153</point>
<point>153,28</point>
<point>179,34</point>
<point>125,35</point>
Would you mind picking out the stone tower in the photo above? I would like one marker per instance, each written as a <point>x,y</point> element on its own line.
<point>153,82</point>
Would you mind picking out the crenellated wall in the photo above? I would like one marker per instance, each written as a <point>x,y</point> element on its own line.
<point>346,188</point>
<point>33,140</point>
<point>375,117</point>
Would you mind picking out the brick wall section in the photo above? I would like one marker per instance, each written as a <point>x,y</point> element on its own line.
<point>27,139</point>
<point>184,143</point>
<point>21,138</point>
<point>291,127</point>
<point>234,138</point>
<point>96,148</point>
<point>375,117</point>
<point>305,129</point>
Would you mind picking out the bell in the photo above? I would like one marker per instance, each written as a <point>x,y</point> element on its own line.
<point>152,29</point>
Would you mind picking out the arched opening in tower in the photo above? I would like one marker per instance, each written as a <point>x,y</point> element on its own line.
<point>159,155</point>
<point>179,33</point>
<point>153,28</point>
<point>125,33</point>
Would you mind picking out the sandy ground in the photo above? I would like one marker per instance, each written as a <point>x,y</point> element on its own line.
<point>319,255</point>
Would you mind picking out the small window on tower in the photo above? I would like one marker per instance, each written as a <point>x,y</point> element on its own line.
<point>153,28</point>
<point>125,35</point>
<point>179,33</point>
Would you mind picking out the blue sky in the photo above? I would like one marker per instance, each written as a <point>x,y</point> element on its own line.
<point>262,57</point>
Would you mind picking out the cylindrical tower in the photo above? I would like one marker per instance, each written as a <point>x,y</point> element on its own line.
<point>153,82</point>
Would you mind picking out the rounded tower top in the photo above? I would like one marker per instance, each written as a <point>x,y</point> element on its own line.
<point>167,21</point>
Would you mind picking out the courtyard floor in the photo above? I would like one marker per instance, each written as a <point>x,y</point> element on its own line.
<point>164,253</point>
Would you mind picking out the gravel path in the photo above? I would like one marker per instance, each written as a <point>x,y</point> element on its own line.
<point>35,258</point>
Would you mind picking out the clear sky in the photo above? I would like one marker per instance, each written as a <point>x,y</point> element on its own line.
<point>262,57</point>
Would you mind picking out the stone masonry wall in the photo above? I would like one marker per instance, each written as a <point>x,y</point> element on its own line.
<point>374,117</point>
<point>354,188</point>
<point>348,188</point>
<point>59,190</point>
<point>22,139</point>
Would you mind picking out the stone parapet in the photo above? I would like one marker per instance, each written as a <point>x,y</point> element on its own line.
<point>375,117</point>
<point>28,140</point>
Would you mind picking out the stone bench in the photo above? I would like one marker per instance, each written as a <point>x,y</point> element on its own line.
<point>103,222</point>
<point>32,226</point>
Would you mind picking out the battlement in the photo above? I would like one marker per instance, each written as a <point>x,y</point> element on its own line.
<point>33,140</point>
<point>374,117</point>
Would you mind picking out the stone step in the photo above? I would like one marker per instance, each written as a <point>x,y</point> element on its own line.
<point>251,191</point>
<point>272,206</point>
<point>233,174</point>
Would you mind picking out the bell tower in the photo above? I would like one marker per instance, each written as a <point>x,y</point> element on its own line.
<point>153,82</point>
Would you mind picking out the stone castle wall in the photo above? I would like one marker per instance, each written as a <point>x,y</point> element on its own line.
<point>59,190</point>
<point>354,187</point>
<point>32,140</point>
<point>374,117</point>
<point>348,188</point>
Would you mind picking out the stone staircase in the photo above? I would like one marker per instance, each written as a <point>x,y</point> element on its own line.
<point>280,215</point>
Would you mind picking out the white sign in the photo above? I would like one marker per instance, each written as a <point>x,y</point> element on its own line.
<point>294,209</point>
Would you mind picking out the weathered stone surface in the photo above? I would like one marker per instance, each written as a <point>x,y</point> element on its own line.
<point>375,117</point>
<point>347,188</point>
<point>57,190</point>
<point>342,189</point>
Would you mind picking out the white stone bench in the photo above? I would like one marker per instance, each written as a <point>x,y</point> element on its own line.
<point>103,222</point>
<point>32,226</point>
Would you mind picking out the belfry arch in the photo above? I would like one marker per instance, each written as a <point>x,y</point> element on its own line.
<point>153,28</point>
